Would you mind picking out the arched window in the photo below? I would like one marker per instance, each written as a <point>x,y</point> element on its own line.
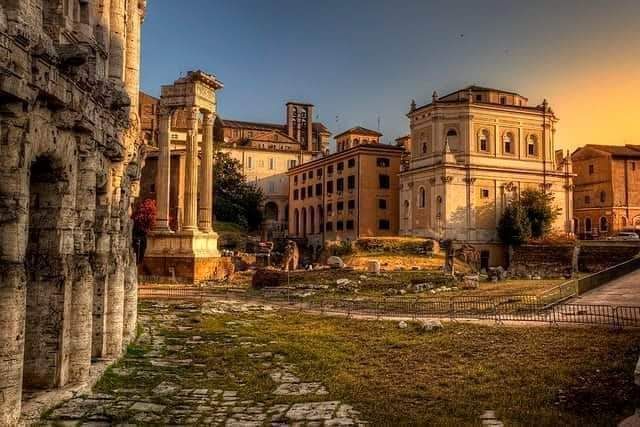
<point>532,145</point>
<point>507,143</point>
<point>483,140</point>
<point>603,197</point>
<point>422,198</point>
<point>451,133</point>
<point>587,225</point>
<point>406,208</point>
<point>604,225</point>
<point>452,138</point>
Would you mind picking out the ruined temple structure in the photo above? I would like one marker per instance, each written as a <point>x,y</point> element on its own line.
<point>189,250</point>
<point>69,169</point>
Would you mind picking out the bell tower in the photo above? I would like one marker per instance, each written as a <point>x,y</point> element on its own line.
<point>300,124</point>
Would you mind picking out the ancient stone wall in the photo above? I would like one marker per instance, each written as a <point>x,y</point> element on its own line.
<point>597,257</point>
<point>545,261</point>
<point>69,166</point>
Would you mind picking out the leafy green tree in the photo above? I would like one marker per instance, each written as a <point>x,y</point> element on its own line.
<point>236,200</point>
<point>514,227</point>
<point>540,211</point>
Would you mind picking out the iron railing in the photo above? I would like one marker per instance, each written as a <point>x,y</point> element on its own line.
<point>500,308</point>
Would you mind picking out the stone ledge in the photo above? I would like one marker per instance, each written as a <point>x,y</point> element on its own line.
<point>39,403</point>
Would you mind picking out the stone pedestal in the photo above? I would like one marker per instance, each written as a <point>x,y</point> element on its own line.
<point>188,256</point>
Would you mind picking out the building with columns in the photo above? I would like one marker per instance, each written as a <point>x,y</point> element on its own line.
<point>265,152</point>
<point>184,245</point>
<point>472,151</point>
<point>607,189</point>
<point>350,194</point>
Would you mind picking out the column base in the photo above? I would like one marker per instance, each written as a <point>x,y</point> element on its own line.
<point>186,256</point>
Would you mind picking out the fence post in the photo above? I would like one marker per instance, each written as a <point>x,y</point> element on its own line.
<point>617,324</point>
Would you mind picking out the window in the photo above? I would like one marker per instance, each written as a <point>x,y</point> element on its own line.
<point>351,182</point>
<point>424,148</point>
<point>329,226</point>
<point>507,141</point>
<point>351,163</point>
<point>260,163</point>
<point>339,225</point>
<point>329,187</point>
<point>503,100</point>
<point>340,184</point>
<point>295,179</point>
<point>422,198</point>
<point>303,193</point>
<point>587,200</point>
<point>319,173</point>
<point>330,169</point>
<point>384,224</point>
<point>382,204</point>
<point>340,207</point>
<point>310,174</point>
<point>272,187</point>
<point>272,164</point>
<point>633,166</point>
<point>304,177</point>
<point>483,140</point>
<point>484,193</point>
<point>296,194</point>
<point>319,189</point>
<point>603,197</point>
<point>351,205</point>
<point>383,162</point>
<point>310,191</point>
<point>249,162</point>
<point>591,169</point>
<point>383,181</point>
<point>604,224</point>
<point>341,166</point>
<point>532,141</point>
<point>350,224</point>
<point>478,98</point>
<point>587,225</point>
<point>291,163</point>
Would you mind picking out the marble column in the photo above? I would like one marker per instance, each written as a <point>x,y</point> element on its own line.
<point>206,174</point>
<point>163,177</point>
<point>117,42</point>
<point>191,173</point>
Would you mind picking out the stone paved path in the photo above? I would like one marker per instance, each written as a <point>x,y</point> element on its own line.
<point>167,387</point>
<point>622,291</point>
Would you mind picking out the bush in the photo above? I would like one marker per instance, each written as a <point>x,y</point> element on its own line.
<point>144,217</point>
<point>341,249</point>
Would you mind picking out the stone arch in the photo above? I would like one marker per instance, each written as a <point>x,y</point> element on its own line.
<point>48,277</point>
<point>271,211</point>
<point>604,224</point>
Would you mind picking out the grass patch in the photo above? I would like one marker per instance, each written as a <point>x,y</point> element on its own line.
<point>543,375</point>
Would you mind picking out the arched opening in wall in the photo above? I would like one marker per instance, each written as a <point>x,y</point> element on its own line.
<point>48,287</point>
<point>296,222</point>
<point>604,225</point>
<point>406,209</point>
<point>312,220</point>
<point>286,212</point>
<point>303,219</point>
<point>422,198</point>
<point>270,211</point>
<point>587,225</point>
<point>452,139</point>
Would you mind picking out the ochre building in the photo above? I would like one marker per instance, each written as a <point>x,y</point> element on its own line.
<point>472,151</point>
<point>350,194</point>
<point>607,189</point>
<point>69,169</point>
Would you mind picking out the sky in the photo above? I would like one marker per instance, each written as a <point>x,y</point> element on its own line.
<point>361,62</point>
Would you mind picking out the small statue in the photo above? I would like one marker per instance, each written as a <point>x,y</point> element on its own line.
<point>291,256</point>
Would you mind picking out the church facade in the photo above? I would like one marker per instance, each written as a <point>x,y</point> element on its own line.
<point>472,151</point>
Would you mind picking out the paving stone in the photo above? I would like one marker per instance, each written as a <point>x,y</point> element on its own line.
<point>312,411</point>
<point>300,389</point>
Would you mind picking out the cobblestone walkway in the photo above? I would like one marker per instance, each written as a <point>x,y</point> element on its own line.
<point>162,386</point>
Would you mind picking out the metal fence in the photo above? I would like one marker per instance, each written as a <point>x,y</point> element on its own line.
<point>521,308</point>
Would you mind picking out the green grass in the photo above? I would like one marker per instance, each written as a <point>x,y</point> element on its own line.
<point>405,377</point>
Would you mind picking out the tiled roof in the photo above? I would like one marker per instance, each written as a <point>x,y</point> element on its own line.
<point>360,131</point>
<point>618,150</point>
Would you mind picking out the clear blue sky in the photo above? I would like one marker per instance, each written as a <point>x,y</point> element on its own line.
<point>363,59</point>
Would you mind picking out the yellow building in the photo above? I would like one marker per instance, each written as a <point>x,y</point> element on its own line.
<point>472,151</point>
<point>350,194</point>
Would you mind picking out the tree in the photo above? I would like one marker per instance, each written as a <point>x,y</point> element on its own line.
<point>540,211</point>
<point>237,200</point>
<point>514,227</point>
<point>531,216</point>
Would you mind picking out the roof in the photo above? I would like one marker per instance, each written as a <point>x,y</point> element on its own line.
<point>617,150</point>
<point>261,126</point>
<point>346,153</point>
<point>360,131</point>
<point>475,88</point>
